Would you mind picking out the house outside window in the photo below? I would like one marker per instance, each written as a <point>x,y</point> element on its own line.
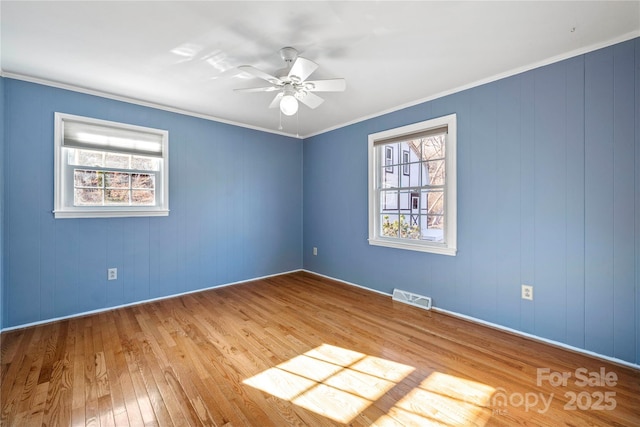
<point>108,169</point>
<point>388,159</point>
<point>412,201</point>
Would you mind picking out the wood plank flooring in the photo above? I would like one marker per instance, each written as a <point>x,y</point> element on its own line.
<point>299,350</point>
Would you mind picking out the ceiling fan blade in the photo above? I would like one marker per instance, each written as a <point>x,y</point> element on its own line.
<point>258,89</point>
<point>276,101</point>
<point>329,85</point>
<point>261,74</point>
<point>309,99</point>
<point>302,69</point>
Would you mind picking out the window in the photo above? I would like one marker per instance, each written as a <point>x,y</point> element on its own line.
<point>412,203</point>
<point>405,162</point>
<point>107,169</point>
<point>388,159</point>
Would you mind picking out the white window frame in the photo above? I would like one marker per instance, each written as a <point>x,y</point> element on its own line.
<point>376,165</point>
<point>63,188</point>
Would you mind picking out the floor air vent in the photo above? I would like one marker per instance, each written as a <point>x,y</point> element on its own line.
<point>412,299</point>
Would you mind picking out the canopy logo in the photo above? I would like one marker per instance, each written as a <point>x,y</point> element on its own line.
<point>588,400</point>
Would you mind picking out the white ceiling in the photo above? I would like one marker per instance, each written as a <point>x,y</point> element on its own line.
<point>184,55</point>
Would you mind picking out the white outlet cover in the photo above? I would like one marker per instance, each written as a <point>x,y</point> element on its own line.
<point>527,292</point>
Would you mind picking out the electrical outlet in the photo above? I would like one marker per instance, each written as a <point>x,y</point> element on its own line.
<point>315,250</point>
<point>112,274</point>
<point>527,292</point>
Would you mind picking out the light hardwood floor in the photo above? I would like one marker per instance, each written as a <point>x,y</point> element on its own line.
<point>301,350</point>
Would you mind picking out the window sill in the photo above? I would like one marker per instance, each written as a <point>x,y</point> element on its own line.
<point>419,247</point>
<point>120,213</point>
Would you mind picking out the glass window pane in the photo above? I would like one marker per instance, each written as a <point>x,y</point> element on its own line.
<point>433,147</point>
<point>435,221</point>
<point>143,180</point>
<point>407,228</point>
<point>117,197</point>
<point>145,163</point>
<point>117,179</point>
<point>117,160</point>
<point>434,202</point>
<point>433,235</point>
<point>86,158</point>
<point>390,176</point>
<point>405,201</point>
<point>435,172</point>
<point>388,156</point>
<point>389,200</point>
<point>88,197</point>
<point>399,225</point>
<point>142,197</point>
<point>87,178</point>
<point>434,229</point>
<point>389,225</point>
<point>405,174</point>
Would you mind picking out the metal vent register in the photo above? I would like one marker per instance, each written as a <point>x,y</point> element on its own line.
<point>412,299</point>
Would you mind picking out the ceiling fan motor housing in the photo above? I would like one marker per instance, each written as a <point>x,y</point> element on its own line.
<point>288,55</point>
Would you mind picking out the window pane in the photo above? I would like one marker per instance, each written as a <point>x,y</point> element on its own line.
<point>143,180</point>
<point>145,163</point>
<point>88,197</point>
<point>117,160</point>
<point>143,197</point>
<point>117,197</point>
<point>86,158</point>
<point>405,175</point>
<point>388,153</point>
<point>390,176</point>
<point>87,178</point>
<point>389,226</point>
<point>405,200</point>
<point>435,221</point>
<point>399,226</point>
<point>436,173</point>
<point>435,202</point>
<point>433,147</point>
<point>117,179</point>
<point>406,159</point>
<point>389,200</point>
<point>434,230</point>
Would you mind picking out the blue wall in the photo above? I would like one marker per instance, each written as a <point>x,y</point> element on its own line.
<point>548,195</point>
<point>235,200</point>
<point>549,172</point>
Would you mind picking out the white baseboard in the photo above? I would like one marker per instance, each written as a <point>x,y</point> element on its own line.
<point>501,327</point>
<point>115,307</point>
<point>348,283</point>
<point>434,308</point>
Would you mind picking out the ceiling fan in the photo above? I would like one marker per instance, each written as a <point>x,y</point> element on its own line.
<point>292,84</point>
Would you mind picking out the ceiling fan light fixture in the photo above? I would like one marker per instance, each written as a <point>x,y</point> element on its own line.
<point>289,105</point>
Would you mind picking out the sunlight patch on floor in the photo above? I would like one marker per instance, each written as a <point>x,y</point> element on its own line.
<point>331,381</point>
<point>339,384</point>
<point>442,400</point>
